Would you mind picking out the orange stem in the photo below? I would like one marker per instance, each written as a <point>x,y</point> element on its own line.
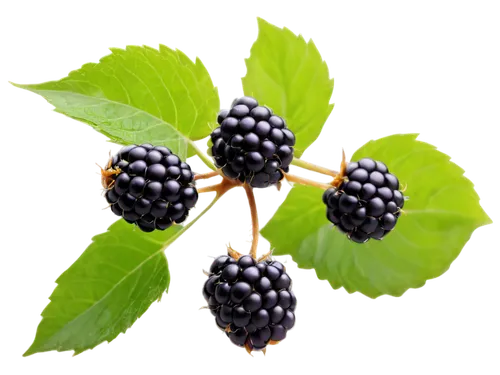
<point>221,187</point>
<point>203,176</point>
<point>255,220</point>
<point>306,182</point>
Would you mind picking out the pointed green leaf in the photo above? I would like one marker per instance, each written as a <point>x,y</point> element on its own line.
<point>439,217</point>
<point>103,293</point>
<point>139,95</point>
<point>108,288</point>
<point>287,74</point>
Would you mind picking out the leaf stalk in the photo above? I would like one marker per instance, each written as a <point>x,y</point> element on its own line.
<point>255,220</point>
<point>306,181</point>
<point>313,167</point>
<point>204,158</point>
<point>222,187</point>
<point>204,176</point>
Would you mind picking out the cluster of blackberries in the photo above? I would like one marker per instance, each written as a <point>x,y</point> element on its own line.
<point>252,302</point>
<point>252,144</point>
<point>366,205</point>
<point>149,186</point>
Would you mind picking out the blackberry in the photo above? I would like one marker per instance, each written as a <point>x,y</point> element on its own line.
<point>367,204</point>
<point>149,186</point>
<point>252,302</point>
<point>252,144</point>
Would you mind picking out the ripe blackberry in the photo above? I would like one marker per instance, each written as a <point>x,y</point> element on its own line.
<point>252,144</point>
<point>367,204</point>
<point>252,302</point>
<point>149,186</point>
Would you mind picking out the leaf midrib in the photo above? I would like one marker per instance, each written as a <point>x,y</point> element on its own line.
<point>159,119</point>
<point>281,83</point>
<point>201,214</point>
<point>107,293</point>
<point>438,211</point>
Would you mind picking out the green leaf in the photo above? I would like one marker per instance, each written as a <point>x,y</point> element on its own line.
<point>108,288</point>
<point>103,293</point>
<point>439,217</point>
<point>287,74</point>
<point>139,95</point>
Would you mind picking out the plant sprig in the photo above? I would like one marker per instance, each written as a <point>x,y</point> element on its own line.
<point>159,96</point>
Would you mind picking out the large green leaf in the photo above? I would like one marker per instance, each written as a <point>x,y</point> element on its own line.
<point>139,95</point>
<point>287,74</point>
<point>439,217</point>
<point>103,293</point>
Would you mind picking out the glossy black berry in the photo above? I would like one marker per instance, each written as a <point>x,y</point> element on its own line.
<point>149,186</point>
<point>252,144</point>
<point>252,302</point>
<point>368,204</point>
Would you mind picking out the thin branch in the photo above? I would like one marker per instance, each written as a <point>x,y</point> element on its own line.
<point>313,167</point>
<point>223,185</point>
<point>201,214</point>
<point>205,210</point>
<point>306,182</point>
<point>255,220</point>
<point>204,176</point>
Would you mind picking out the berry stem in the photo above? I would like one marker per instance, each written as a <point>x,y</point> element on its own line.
<point>255,220</point>
<point>313,167</point>
<point>306,182</point>
<point>221,187</point>
<point>203,176</point>
<point>204,158</point>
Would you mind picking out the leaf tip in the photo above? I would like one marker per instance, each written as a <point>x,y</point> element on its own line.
<point>488,220</point>
<point>264,24</point>
<point>30,351</point>
<point>260,19</point>
<point>18,85</point>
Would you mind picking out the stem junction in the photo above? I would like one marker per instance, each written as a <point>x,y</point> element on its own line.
<point>221,188</point>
